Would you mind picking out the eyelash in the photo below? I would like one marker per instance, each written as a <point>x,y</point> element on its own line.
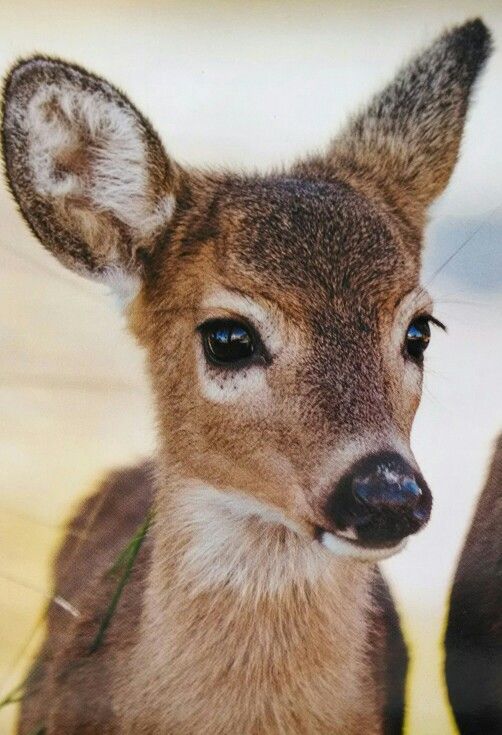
<point>433,320</point>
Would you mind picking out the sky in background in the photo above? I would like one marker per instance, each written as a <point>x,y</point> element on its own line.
<point>244,85</point>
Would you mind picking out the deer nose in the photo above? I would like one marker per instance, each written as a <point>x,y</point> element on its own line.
<point>381,493</point>
<point>379,501</point>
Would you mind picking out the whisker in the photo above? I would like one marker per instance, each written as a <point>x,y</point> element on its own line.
<point>430,395</point>
<point>423,289</point>
<point>471,237</point>
<point>463,302</point>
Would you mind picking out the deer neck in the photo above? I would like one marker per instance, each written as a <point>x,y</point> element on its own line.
<point>230,591</point>
<point>215,542</point>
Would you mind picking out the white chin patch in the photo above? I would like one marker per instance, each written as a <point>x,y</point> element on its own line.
<point>338,546</point>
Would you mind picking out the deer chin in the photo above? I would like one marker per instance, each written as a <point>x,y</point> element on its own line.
<point>340,546</point>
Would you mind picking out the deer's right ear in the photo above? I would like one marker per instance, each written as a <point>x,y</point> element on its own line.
<point>89,173</point>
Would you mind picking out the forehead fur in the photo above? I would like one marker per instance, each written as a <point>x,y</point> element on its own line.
<point>312,239</point>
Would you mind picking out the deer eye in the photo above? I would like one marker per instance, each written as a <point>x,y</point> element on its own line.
<point>229,343</point>
<point>418,337</point>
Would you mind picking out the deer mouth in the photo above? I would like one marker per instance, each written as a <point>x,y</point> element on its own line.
<point>341,545</point>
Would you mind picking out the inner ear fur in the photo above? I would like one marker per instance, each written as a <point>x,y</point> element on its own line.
<point>403,146</point>
<point>88,171</point>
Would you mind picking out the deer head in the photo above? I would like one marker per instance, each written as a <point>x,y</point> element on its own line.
<point>283,316</point>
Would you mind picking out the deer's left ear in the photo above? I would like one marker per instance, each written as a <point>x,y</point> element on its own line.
<point>87,170</point>
<point>404,144</point>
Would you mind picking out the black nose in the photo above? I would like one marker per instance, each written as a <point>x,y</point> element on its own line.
<point>379,501</point>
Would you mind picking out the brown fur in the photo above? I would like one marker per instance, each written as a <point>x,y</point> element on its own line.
<point>67,673</point>
<point>236,618</point>
<point>474,633</point>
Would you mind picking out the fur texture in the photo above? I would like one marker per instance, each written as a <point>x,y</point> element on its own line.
<point>236,619</point>
<point>392,148</point>
<point>227,637</point>
<point>87,170</point>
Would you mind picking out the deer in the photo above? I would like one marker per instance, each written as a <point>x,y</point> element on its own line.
<point>473,639</point>
<point>284,326</point>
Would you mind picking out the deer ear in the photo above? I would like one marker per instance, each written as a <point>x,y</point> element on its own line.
<point>405,143</point>
<point>87,170</point>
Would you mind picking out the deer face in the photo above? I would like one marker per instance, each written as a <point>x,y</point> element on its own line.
<point>283,316</point>
<point>282,325</point>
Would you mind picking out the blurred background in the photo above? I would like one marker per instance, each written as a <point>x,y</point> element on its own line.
<point>243,85</point>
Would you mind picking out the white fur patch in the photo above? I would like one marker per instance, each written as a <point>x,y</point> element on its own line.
<point>339,547</point>
<point>264,320</point>
<point>61,120</point>
<point>241,542</point>
<point>220,385</point>
<point>123,286</point>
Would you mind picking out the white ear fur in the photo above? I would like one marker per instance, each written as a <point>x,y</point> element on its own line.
<point>123,286</point>
<point>60,120</point>
<point>88,171</point>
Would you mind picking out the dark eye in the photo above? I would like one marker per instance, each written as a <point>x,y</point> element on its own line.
<point>228,342</point>
<point>418,336</point>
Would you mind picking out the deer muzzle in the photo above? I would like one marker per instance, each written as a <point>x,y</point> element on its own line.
<point>380,501</point>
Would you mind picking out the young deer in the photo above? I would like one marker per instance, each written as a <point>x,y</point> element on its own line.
<point>474,633</point>
<point>285,328</point>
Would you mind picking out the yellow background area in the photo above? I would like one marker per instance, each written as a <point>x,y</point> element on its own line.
<point>243,85</point>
